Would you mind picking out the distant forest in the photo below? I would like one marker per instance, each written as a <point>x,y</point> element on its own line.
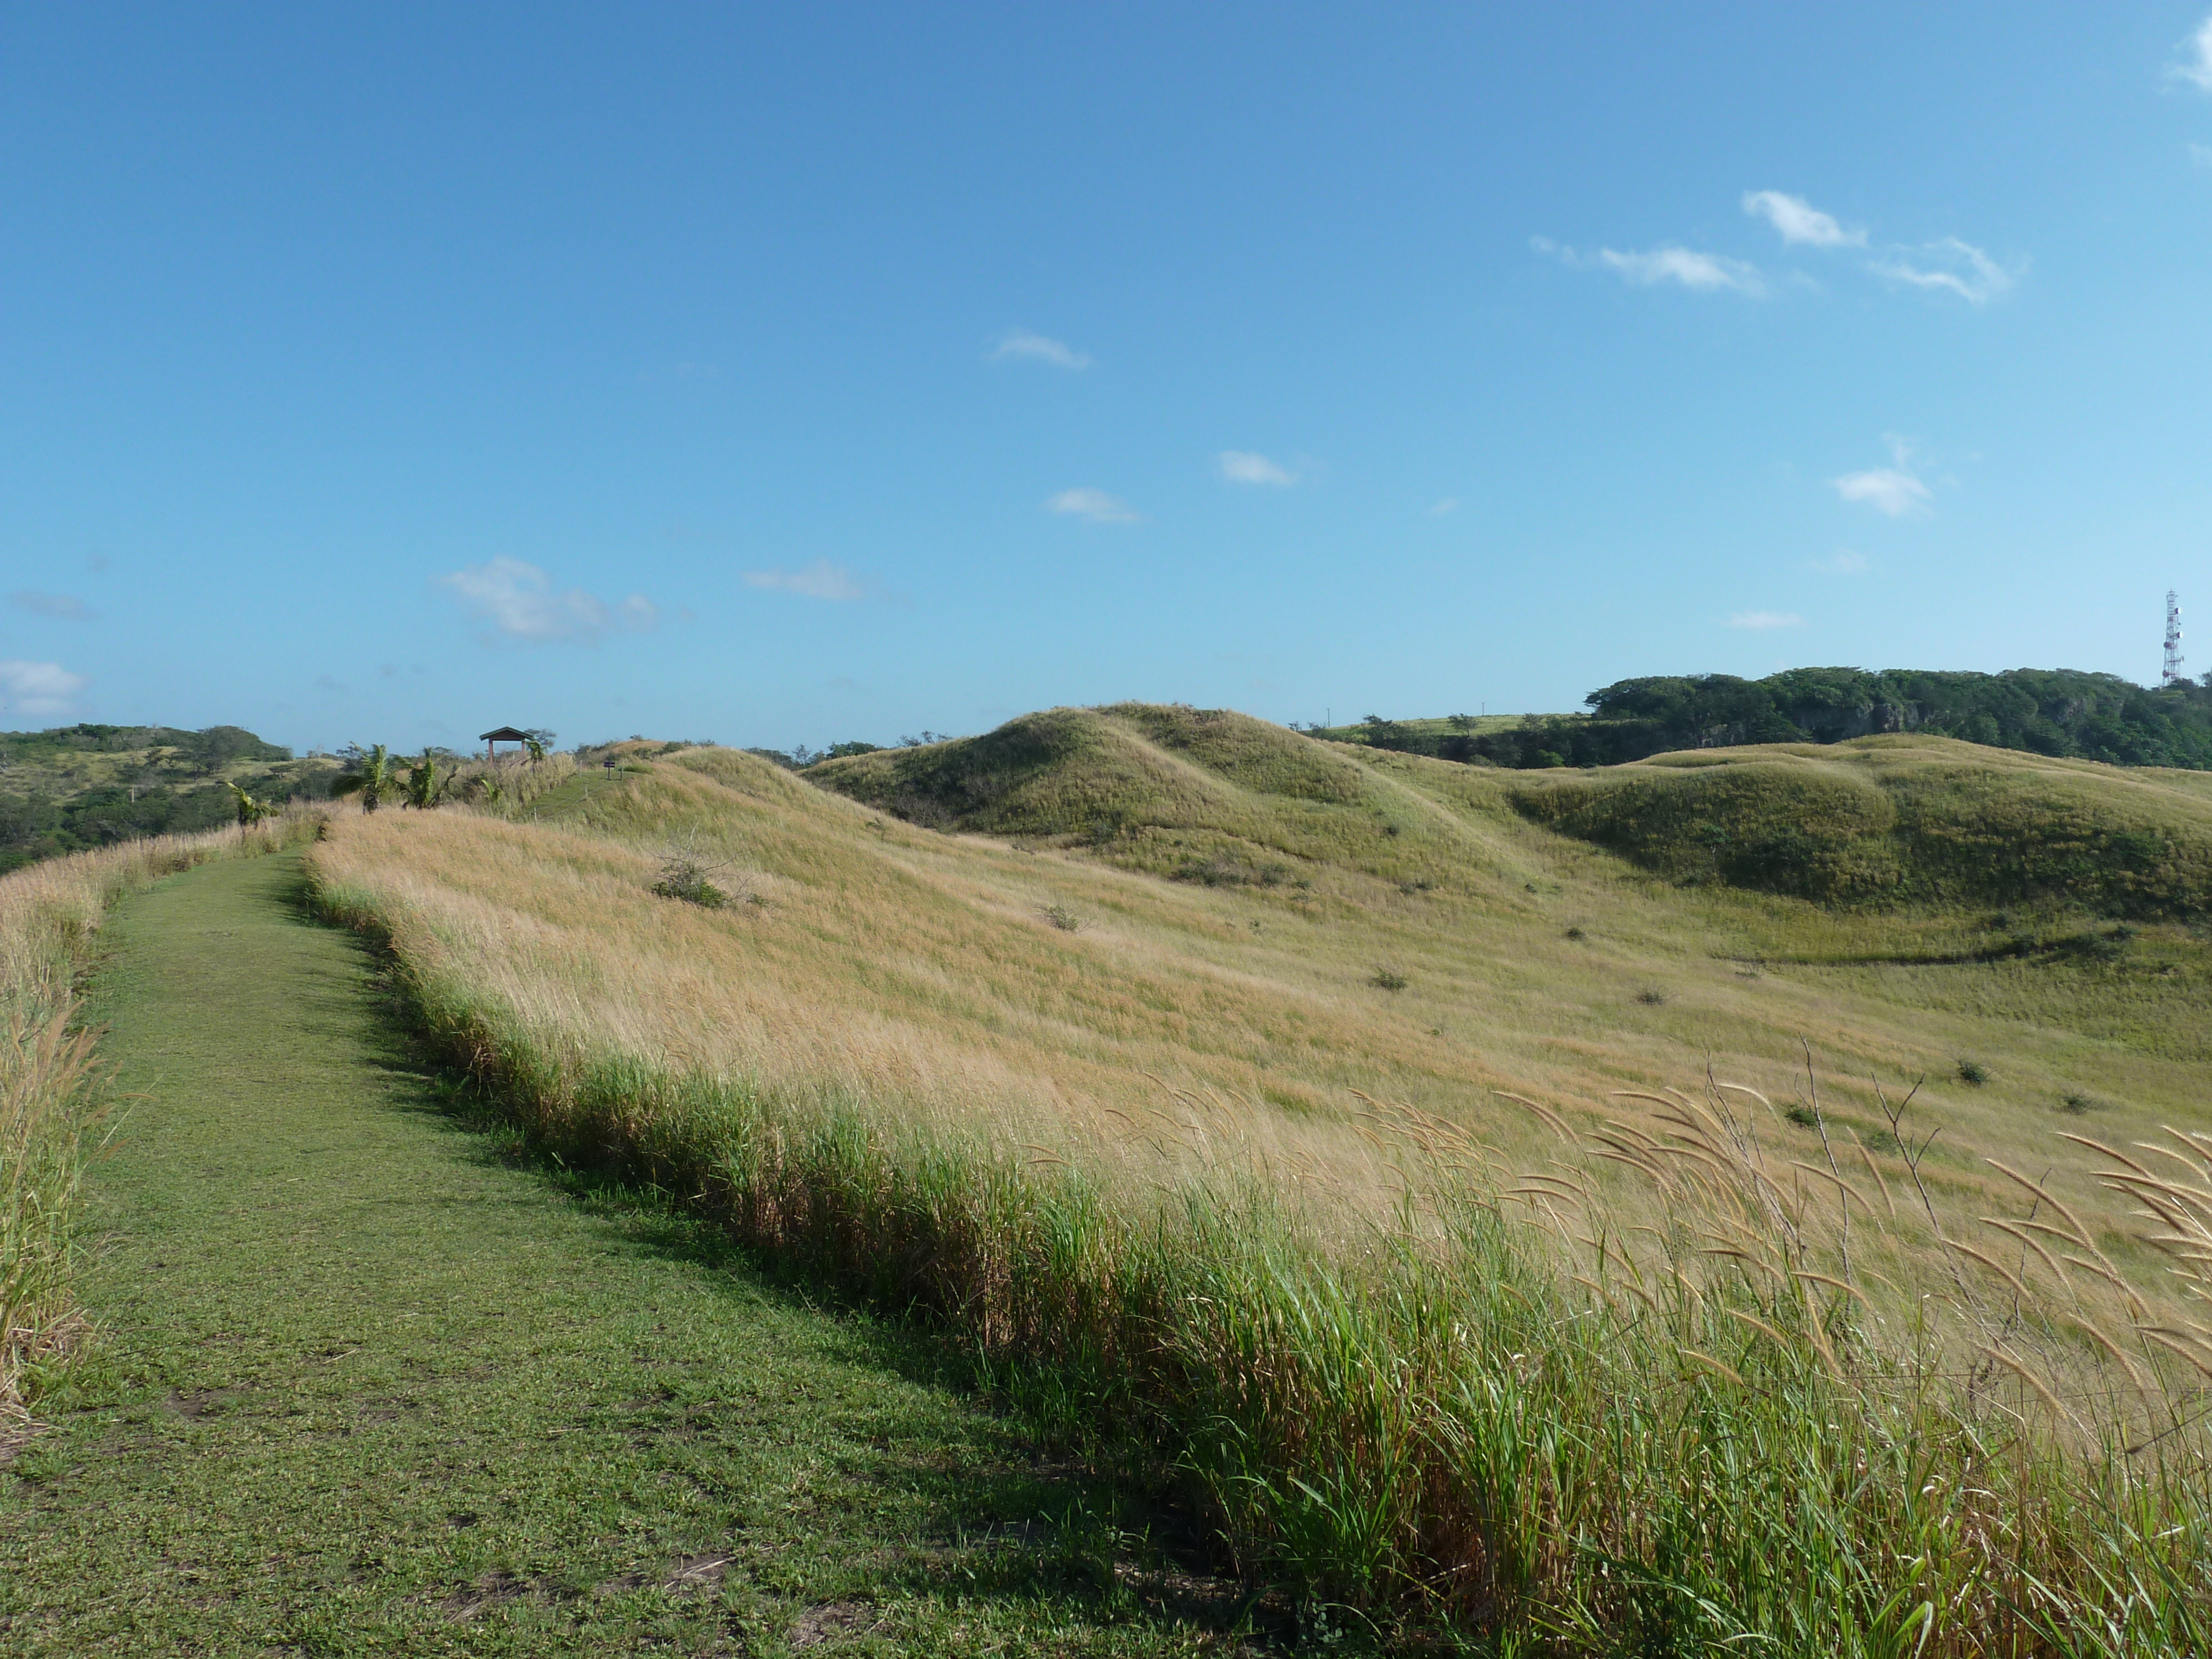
<point>78,787</point>
<point>2057,711</point>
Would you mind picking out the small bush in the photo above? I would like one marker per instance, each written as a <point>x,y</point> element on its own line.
<point>684,879</point>
<point>1389,979</point>
<point>2078,1105</point>
<point>1222,869</point>
<point>1652,998</point>
<point>1802,1116</point>
<point>1577,933</point>
<point>1065,918</point>
<point>1973,1071</point>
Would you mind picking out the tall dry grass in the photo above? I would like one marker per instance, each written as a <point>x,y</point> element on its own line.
<point>1663,1374</point>
<point>50,916</point>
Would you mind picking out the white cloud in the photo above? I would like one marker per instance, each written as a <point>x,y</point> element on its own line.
<point>1021,342</point>
<point>1799,221</point>
<point>63,607</point>
<point>1887,489</point>
<point>1704,273</point>
<point>1094,505</point>
<point>1242,466</point>
<point>819,580</point>
<point>1445,507</point>
<point>2197,67</point>
<point>1845,564</point>
<point>1949,265</point>
<point>518,600</point>
<point>1895,489</point>
<point>1765,619</point>
<point>38,688</point>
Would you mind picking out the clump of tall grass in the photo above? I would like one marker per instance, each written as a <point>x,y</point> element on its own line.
<point>45,1073</point>
<point>48,915</point>
<point>1670,1392</point>
<point>510,785</point>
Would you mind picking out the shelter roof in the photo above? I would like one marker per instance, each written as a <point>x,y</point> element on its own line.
<point>503,734</point>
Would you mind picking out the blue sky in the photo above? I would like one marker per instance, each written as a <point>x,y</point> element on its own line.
<point>794,373</point>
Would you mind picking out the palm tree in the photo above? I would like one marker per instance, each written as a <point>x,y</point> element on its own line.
<point>423,782</point>
<point>371,774</point>
<point>250,811</point>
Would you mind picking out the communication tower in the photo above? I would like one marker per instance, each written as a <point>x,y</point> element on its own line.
<point>2171,674</point>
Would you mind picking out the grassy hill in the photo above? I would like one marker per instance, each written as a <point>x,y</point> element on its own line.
<point>1112,903</point>
<point>1158,1054</point>
<point>1890,820</point>
<point>85,786</point>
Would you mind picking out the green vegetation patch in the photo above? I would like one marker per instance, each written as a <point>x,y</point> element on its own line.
<point>79,787</point>
<point>1911,820</point>
<point>1201,795</point>
<point>2057,712</point>
<point>361,1387</point>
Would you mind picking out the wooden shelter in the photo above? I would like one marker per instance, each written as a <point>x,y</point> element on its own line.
<point>492,739</point>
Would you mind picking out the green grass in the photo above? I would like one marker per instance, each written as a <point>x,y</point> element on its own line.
<point>361,1386</point>
<point>1885,820</point>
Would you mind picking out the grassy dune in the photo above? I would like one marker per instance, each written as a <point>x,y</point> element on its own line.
<point>1174,1095</point>
<point>1891,819</point>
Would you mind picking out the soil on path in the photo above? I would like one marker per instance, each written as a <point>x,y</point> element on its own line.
<point>361,1388</point>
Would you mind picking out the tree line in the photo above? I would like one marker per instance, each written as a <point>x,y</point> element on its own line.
<point>2064,712</point>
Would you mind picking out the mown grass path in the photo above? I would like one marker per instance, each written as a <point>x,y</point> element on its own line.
<point>362,1389</point>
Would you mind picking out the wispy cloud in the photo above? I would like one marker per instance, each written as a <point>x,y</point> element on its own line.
<point>1799,221</point>
<point>1703,273</point>
<point>518,600</point>
<point>1948,264</point>
<point>1767,619</point>
<point>1843,563</point>
<point>1895,489</point>
<point>819,580</point>
<point>1020,342</point>
<point>2201,155</point>
<point>1445,507</point>
<point>39,689</point>
<point>1951,265</point>
<point>2196,64</point>
<point>1243,466</point>
<point>1096,505</point>
<point>63,606</point>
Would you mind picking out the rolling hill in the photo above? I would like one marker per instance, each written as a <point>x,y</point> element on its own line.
<point>1424,1168</point>
<point>84,786</point>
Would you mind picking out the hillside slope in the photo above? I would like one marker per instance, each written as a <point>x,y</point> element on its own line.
<point>1898,818</point>
<point>78,787</point>
<point>1216,796</point>
<point>1180,901</point>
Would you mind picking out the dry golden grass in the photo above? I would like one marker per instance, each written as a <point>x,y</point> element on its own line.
<point>1783,1369</point>
<point>919,972</point>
